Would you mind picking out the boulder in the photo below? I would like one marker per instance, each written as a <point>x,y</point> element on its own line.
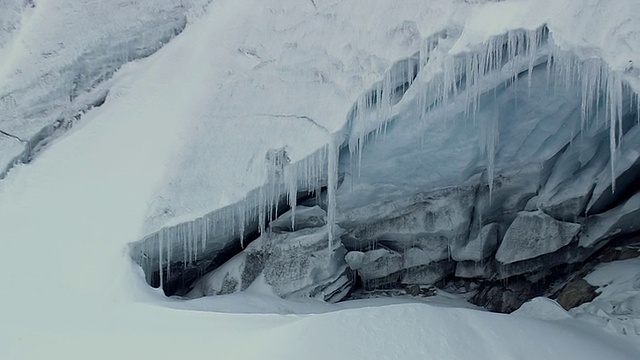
<point>576,293</point>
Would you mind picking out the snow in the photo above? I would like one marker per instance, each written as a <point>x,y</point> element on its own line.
<point>617,307</point>
<point>183,133</point>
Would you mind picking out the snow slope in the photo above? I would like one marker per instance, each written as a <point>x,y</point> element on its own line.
<point>70,290</point>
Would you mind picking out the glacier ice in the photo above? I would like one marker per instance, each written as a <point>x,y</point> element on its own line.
<point>533,234</point>
<point>507,152</point>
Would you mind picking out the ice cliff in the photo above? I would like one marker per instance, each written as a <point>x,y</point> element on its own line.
<point>484,140</point>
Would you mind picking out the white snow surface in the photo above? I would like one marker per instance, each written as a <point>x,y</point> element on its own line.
<point>187,130</point>
<point>617,308</point>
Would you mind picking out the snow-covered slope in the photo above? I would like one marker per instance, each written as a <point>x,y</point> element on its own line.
<point>188,131</point>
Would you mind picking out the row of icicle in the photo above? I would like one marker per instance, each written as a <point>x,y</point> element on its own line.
<point>444,79</point>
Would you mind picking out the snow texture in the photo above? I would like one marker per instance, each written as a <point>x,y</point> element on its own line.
<point>533,234</point>
<point>249,102</point>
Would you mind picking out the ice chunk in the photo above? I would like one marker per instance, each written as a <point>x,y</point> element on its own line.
<point>533,234</point>
<point>305,217</point>
<point>479,248</point>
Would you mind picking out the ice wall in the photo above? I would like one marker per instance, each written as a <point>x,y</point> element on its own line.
<point>488,96</point>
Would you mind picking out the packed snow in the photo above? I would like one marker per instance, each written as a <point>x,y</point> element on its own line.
<point>189,129</point>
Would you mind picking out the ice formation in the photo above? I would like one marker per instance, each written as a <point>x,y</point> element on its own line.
<point>440,80</point>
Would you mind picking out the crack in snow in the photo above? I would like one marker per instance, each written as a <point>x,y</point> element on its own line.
<point>302,117</point>
<point>12,136</point>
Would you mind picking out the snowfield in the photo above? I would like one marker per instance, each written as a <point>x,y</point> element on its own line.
<point>185,131</point>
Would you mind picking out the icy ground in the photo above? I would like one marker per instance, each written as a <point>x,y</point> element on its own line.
<point>617,308</point>
<point>70,289</point>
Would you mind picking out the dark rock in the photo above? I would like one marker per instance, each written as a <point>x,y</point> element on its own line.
<point>504,298</point>
<point>576,293</point>
<point>413,290</point>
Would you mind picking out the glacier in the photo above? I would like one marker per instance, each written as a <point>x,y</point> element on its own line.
<point>389,184</point>
<point>179,139</point>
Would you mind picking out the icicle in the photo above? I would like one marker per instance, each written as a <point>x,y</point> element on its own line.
<point>638,108</point>
<point>160,261</point>
<point>332,187</point>
<point>241,226</point>
<point>614,106</point>
<point>291,180</point>
<point>532,50</point>
<point>169,250</point>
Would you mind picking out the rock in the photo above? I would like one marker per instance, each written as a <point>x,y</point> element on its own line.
<point>292,265</point>
<point>533,234</point>
<point>480,248</point>
<point>576,293</point>
<point>417,290</point>
<point>413,290</point>
<point>305,217</point>
<point>504,298</point>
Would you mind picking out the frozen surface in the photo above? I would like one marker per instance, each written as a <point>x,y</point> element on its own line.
<point>617,308</point>
<point>533,234</point>
<point>182,133</point>
<point>56,59</point>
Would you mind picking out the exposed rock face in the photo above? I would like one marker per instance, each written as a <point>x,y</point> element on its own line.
<point>505,298</point>
<point>576,293</point>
